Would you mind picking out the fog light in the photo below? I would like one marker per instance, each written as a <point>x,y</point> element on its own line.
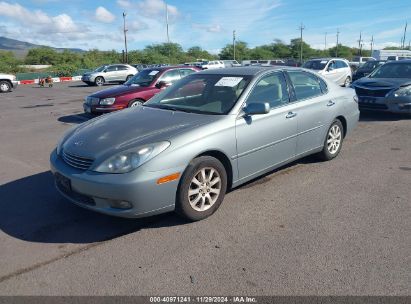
<point>120,204</point>
<point>405,106</point>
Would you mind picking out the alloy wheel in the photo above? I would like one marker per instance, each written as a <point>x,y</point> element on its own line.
<point>334,139</point>
<point>205,188</point>
<point>4,87</point>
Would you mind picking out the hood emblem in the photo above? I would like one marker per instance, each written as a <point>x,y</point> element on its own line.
<point>79,143</point>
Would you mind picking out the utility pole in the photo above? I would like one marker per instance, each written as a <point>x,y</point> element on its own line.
<point>372,43</point>
<point>301,28</point>
<point>234,45</point>
<point>405,33</point>
<point>325,41</point>
<point>168,36</point>
<point>125,36</point>
<point>359,45</point>
<point>336,51</point>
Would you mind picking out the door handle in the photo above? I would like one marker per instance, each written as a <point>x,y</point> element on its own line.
<point>291,115</point>
<point>330,103</point>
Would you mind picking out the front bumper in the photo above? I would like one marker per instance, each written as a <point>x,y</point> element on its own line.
<point>97,191</point>
<point>385,104</point>
<point>14,83</point>
<point>102,109</point>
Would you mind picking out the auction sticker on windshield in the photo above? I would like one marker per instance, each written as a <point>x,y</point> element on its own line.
<point>152,73</point>
<point>228,81</point>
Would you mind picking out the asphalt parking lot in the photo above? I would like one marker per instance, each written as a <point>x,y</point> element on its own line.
<point>312,228</point>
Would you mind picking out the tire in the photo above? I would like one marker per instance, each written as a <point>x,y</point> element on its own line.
<point>347,82</point>
<point>333,143</point>
<point>135,103</point>
<point>206,197</point>
<point>99,81</point>
<point>5,86</point>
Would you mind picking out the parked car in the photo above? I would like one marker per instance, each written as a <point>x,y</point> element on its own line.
<point>109,73</point>
<point>205,134</point>
<point>388,88</point>
<point>231,63</point>
<point>140,66</point>
<point>7,83</point>
<point>271,62</point>
<point>367,68</point>
<point>358,61</point>
<point>213,64</point>
<point>136,90</point>
<point>292,63</point>
<point>335,69</point>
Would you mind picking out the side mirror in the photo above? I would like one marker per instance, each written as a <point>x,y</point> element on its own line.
<point>162,84</point>
<point>330,68</point>
<point>257,108</point>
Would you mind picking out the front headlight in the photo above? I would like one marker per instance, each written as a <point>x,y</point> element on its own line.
<point>129,160</point>
<point>107,101</point>
<point>403,92</point>
<point>13,77</point>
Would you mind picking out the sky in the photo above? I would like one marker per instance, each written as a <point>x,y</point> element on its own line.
<point>205,23</point>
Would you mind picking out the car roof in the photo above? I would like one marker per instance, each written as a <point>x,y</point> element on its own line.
<point>246,71</point>
<point>402,61</point>
<point>165,68</point>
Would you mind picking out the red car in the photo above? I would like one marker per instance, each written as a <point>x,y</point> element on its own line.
<point>137,90</point>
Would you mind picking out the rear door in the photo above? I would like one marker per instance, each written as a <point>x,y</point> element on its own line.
<point>331,71</point>
<point>122,72</point>
<point>111,73</point>
<point>266,140</point>
<point>314,108</point>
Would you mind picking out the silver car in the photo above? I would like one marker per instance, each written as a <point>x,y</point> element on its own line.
<point>109,73</point>
<point>209,132</point>
<point>335,69</point>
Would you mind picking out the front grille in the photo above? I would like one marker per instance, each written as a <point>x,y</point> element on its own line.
<point>371,106</point>
<point>77,161</point>
<point>372,93</point>
<point>92,100</point>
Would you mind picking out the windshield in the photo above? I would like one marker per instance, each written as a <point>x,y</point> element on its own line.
<point>143,78</point>
<point>394,70</point>
<point>204,94</point>
<point>370,65</point>
<point>100,69</point>
<point>315,64</point>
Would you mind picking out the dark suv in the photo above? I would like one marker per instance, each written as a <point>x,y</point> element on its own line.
<point>136,90</point>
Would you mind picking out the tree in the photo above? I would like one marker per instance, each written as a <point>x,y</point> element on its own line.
<point>280,49</point>
<point>43,55</point>
<point>343,51</point>
<point>242,51</point>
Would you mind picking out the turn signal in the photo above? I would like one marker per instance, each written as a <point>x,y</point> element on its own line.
<point>168,178</point>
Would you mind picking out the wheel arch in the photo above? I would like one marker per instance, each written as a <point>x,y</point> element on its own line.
<point>344,124</point>
<point>224,159</point>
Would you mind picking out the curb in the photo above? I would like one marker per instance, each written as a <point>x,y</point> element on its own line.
<point>55,79</point>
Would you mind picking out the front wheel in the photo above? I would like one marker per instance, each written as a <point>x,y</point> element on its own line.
<point>135,103</point>
<point>99,81</point>
<point>333,141</point>
<point>202,188</point>
<point>5,86</point>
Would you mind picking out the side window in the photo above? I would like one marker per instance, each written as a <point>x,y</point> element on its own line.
<point>323,85</point>
<point>171,76</point>
<point>271,88</point>
<point>112,68</point>
<point>332,65</point>
<point>305,85</point>
<point>122,67</point>
<point>185,72</point>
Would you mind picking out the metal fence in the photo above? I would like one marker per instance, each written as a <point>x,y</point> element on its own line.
<point>37,75</point>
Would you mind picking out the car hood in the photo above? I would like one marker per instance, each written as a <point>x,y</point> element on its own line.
<point>130,128</point>
<point>119,90</point>
<point>383,82</point>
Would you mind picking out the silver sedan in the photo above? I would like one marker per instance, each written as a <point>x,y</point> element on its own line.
<point>209,132</point>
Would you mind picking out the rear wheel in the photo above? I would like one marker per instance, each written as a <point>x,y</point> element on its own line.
<point>202,188</point>
<point>333,141</point>
<point>5,86</point>
<point>347,81</point>
<point>99,81</point>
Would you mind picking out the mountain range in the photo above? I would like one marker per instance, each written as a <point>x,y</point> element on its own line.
<point>20,48</point>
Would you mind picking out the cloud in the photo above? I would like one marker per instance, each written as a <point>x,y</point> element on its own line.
<point>156,8</point>
<point>216,28</point>
<point>103,15</point>
<point>124,3</point>
<point>20,13</point>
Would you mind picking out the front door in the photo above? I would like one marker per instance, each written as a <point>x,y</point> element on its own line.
<point>266,140</point>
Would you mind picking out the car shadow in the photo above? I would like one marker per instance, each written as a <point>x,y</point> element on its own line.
<point>76,118</point>
<point>32,210</point>
<point>382,116</point>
